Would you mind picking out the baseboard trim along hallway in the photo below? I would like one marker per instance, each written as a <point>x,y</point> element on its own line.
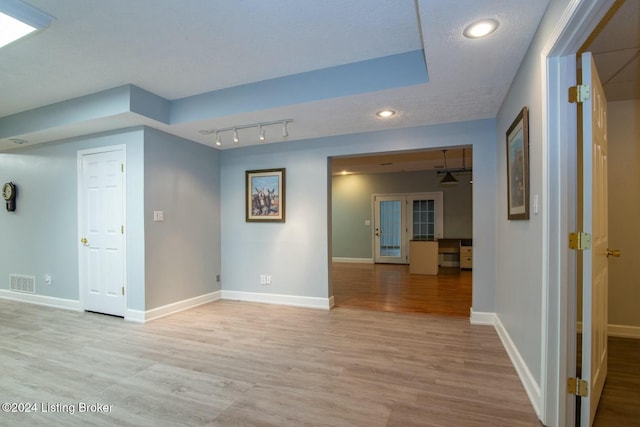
<point>158,312</point>
<point>68,304</point>
<point>290,300</point>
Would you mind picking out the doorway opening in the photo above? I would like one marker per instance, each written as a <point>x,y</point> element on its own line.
<point>614,46</point>
<point>383,202</point>
<point>584,21</point>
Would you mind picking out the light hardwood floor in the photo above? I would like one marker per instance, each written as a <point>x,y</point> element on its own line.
<point>242,364</point>
<point>390,287</point>
<point>620,401</point>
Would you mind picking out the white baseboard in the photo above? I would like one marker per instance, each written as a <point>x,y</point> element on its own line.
<point>480,318</point>
<point>292,300</point>
<point>48,301</point>
<point>353,260</point>
<point>158,312</point>
<point>619,331</point>
<point>624,331</point>
<point>526,377</point>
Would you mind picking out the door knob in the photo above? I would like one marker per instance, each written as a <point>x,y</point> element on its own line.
<point>613,252</point>
<point>84,241</point>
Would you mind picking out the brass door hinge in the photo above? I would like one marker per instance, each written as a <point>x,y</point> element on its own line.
<point>580,241</point>
<point>578,387</point>
<point>580,93</point>
<point>123,290</point>
<point>122,229</point>
<point>122,167</point>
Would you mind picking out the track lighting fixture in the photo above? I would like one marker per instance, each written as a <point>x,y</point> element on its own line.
<point>262,134</point>
<point>262,131</point>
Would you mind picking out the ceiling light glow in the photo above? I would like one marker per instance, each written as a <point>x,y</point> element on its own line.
<point>481,28</point>
<point>17,19</point>
<point>386,113</point>
<point>12,29</point>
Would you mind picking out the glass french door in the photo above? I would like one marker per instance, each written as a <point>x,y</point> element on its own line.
<point>401,218</point>
<point>390,229</point>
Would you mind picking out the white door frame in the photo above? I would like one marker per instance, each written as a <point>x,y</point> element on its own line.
<point>407,217</point>
<point>378,232</point>
<point>80,192</point>
<point>558,346</point>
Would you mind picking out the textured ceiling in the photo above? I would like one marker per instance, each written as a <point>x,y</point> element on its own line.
<point>616,51</point>
<point>180,49</point>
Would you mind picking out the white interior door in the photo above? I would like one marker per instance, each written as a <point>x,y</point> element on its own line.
<point>390,229</point>
<point>595,216</point>
<point>101,227</point>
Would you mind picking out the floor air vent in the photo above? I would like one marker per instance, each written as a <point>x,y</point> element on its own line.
<point>21,283</point>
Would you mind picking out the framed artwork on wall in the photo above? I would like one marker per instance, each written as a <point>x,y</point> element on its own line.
<point>265,195</point>
<point>518,167</point>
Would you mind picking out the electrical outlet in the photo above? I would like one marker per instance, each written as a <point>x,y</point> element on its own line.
<point>217,277</point>
<point>268,279</point>
<point>47,279</point>
<point>263,279</point>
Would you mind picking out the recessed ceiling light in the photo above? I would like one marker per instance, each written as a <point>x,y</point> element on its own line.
<point>480,28</point>
<point>12,29</point>
<point>386,113</point>
<point>17,19</point>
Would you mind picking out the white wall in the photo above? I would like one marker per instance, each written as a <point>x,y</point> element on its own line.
<point>182,255</point>
<point>41,237</point>
<point>624,205</point>
<point>296,253</point>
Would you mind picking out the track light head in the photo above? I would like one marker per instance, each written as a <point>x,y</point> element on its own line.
<point>262,136</point>
<point>262,126</point>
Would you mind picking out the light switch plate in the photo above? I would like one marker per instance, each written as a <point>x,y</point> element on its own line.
<point>158,216</point>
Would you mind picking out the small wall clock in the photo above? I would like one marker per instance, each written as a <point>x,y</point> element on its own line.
<point>9,195</point>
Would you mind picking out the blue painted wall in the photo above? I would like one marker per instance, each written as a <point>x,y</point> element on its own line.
<point>297,252</point>
<point>41,237</point>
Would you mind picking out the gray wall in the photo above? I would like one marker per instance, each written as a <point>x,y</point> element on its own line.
<point>41,237</point>
<point>297,253</point>
<point>520,248</point>
<point>624,205</point>
<point>352,205</point>
<point>182,255</point>
<point>166,262</point>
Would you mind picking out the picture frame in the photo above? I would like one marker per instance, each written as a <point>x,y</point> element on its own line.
<point>265,195</point>
<point>518,167</point>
